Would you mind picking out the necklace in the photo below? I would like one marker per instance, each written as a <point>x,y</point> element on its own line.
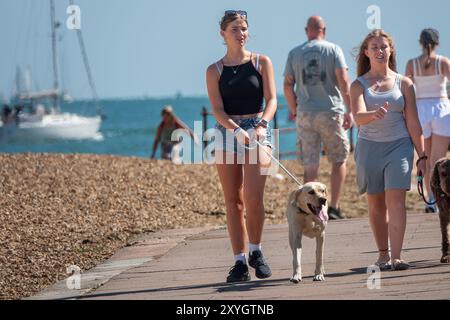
<point>235,69</point>
<point>378,82</point>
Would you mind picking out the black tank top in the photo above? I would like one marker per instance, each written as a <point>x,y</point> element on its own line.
<point>242,92</point>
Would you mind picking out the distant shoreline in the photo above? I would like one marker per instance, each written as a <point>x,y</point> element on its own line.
<point>280,97</point>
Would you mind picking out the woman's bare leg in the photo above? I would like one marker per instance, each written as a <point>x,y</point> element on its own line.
<point>395,202</point>
<point>231,178</point>
<point>254,183</point>
<point>379,223</point>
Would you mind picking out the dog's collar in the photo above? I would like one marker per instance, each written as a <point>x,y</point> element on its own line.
<point>300,210</point>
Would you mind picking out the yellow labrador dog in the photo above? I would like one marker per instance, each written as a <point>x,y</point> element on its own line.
<point>307,215</point>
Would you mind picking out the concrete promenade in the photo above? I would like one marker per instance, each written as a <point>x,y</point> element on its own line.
<point>192,264</point>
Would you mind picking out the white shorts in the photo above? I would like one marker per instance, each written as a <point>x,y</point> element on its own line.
<point>434,116</point>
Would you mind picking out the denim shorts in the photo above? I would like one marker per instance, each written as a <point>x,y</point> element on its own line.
<point>225,140</point>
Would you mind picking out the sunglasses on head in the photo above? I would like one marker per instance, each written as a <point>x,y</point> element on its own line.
<point>235,12</point>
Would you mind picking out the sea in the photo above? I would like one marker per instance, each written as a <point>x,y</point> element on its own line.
<point>130,125</point>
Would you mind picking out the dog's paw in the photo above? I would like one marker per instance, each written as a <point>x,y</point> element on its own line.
<point>296,279</point>
<point>319,277</point>
<point>445,259</point>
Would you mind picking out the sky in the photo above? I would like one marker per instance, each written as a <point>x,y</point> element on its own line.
<point>158,48</point>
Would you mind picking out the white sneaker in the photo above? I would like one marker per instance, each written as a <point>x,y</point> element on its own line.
<point>431,208</point>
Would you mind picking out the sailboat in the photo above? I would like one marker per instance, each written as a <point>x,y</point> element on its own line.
<point>31,120</point>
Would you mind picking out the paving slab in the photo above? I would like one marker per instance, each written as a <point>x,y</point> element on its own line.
<point>196,267</point>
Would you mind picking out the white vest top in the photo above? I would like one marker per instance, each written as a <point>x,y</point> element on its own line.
<point>434,86</point>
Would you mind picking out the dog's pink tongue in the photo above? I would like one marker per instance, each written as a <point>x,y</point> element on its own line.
<point>323,215</point>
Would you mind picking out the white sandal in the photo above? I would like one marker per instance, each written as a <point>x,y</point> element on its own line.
<point>383,265</point>
<point>386,265</point>
<point>399,264</point>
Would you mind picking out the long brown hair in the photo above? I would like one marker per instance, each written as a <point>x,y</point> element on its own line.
<point>363,62</point>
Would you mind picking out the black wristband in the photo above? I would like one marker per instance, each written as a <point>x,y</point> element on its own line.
<point>421,158</point>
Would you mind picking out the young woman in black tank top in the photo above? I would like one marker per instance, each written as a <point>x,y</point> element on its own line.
<point>238,84</point>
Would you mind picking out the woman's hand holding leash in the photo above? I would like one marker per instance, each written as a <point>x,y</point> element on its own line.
<point>260,133</point>
<point>421,165</point>
<point>248,137</point>
<point>242,136</point>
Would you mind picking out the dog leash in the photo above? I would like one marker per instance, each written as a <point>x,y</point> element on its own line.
<point>278,162</point>
<point>420,190</point>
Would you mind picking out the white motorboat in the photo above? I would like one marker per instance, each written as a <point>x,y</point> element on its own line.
<point>60,126</point>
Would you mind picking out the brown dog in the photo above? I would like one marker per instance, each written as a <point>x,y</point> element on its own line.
<point>440,185</point>
<point>307,215</point>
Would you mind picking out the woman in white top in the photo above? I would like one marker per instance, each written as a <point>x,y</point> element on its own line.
<point>429,73</point>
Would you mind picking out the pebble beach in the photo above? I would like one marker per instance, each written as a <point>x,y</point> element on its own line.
<point>58,210</point>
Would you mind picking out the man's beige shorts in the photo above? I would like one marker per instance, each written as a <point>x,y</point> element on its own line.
<point>315,128</point>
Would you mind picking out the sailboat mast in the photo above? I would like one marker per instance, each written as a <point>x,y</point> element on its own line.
<point>55,57</point>
<point>88,69</point>
<point>18,82</point>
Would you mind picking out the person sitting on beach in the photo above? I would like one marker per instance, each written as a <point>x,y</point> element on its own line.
<point>167,126</point>
<point>430,72</point>
<point>384,107</point>
<point>238,84</point>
